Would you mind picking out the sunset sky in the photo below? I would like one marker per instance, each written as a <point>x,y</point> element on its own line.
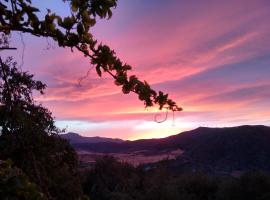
<point>211,56</point>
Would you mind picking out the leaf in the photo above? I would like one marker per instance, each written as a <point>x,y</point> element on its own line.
<point>80,29</point>
<point>126,89</point>
<point>98,70</point>
<point>68,22</point>
<point>74,7</point>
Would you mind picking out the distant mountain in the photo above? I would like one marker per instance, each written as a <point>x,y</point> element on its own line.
<point>223,150</point>
<point>75,138</point>
<point>215,150</point>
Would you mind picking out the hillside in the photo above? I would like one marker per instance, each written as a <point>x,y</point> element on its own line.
<point>75,138</point>
<point>215,150</point>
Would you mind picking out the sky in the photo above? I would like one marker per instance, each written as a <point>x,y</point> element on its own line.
<point>211,56</point>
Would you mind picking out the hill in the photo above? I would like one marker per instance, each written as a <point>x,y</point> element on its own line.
<point>75,138</point>
<point>213,150</point>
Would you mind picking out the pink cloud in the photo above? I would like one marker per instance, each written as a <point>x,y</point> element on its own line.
<point>198,52</point>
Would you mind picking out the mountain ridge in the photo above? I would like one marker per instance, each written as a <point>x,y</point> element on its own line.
<point>213,150</point>
<point>77,138</point>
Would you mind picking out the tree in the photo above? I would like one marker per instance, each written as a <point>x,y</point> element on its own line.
<point>30,139</point>
<point>73,32</point>
<point>112,179</point>
<point>15,184</point>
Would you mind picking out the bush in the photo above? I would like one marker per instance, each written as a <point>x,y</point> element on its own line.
<point>14,184</point>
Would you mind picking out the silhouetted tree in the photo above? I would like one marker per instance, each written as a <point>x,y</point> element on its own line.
<point>30,139</point>
<point>111,179</point>
<point>250,186</point>
<point>14,184</point>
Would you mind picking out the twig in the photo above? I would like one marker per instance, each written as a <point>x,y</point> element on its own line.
<point>23,46</point>
<point>8,48</point>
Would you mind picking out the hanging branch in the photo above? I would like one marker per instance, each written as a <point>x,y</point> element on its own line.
<point>74,32</point>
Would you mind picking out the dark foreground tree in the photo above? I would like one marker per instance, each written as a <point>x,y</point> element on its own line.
<point>30,139</point>
<point>73,32</point>
<point>14,184</point>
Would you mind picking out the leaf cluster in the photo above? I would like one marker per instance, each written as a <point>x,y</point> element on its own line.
<point>15,184</point>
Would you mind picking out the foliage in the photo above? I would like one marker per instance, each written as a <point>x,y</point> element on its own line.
<point>250,186</point>
<point>73,31</point>
<point>111,179</point>
<point>14,184</point>
<point>3,40</point>
<point>30,139</point>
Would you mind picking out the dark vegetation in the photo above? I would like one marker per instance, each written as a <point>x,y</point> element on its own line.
<point>114,180</point>
<point>14,184</point>
<point>30,140</point>
<point>36,163</point>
